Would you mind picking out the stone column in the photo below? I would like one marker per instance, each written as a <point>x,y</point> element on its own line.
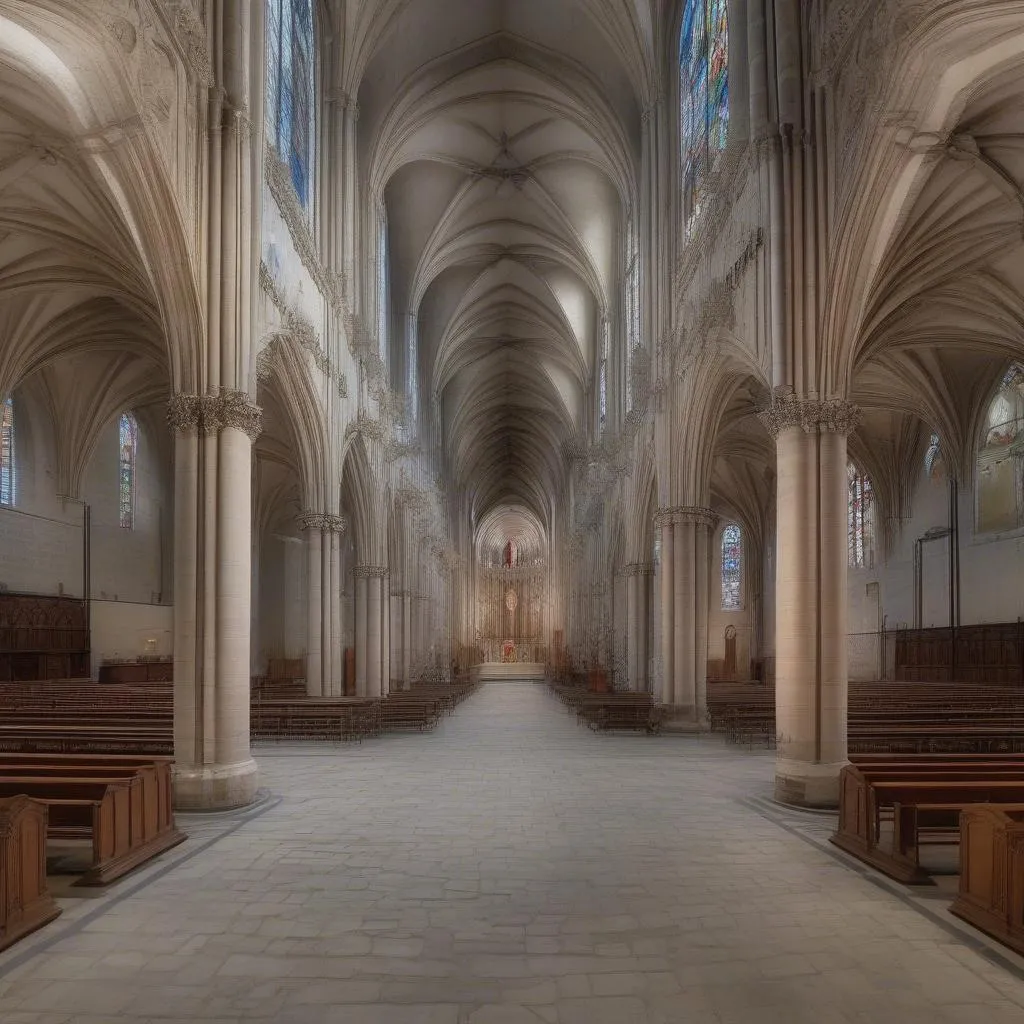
<point>334,665</point>
<point>631,628</point>
<point>312,523</point>
<point>407,639</point>
<point>373,636</point>
<point>385,634</point>
<point>362,617</point>
<point>684,625</point>
<point>810,667</point>
<point>663,521</point>
<point>637,577</point>
<point>214,433</point>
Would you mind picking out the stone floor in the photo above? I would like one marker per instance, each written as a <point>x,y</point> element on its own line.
<point>510,868</point>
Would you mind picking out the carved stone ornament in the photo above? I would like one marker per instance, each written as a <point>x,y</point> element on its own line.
<point>830,415</point>
<point>323,521</point>
<point>686,514</point>
<point>209,414</point>
<point>368,571</point>
<point>638,569</point>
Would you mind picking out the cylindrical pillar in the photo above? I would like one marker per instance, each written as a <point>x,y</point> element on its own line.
<point>314,613</point>
<point>702,602</point>
<point>407,639</point>
<point>362,618</point>
<point>374,622</point>
<point>385,634</point>
<point>642,636</point>
<point>811,679</point>
<point>685,623</point>
<point>666,569</point>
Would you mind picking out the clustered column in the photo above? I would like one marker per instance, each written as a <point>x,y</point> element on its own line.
<point>810,582</point>
<point>685,581</point>
<point>213,437</point>
<point>373,630</point>
<point>638,575</point>
<point>324,661</point>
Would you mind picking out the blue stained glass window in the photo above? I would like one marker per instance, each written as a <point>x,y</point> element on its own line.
<point>128,435</point>
<point>732,567</point>
<point>290,87</point>
<point>7,452</point>
<point>703,95</point>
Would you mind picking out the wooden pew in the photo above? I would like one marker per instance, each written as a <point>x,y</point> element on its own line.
<point>407,710</point>
<point>991,893</point>
<point>25,901</point>
<point>922,801</point>
<point>124,810</point>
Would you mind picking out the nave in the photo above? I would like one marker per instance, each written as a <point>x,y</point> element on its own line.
<point>509,868</point>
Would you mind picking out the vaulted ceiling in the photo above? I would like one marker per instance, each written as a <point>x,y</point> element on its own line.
<point>503,139</point>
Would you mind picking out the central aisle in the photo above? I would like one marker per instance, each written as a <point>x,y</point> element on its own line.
<point>510,868</point>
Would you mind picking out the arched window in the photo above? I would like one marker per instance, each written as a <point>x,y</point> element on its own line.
<point>732,567</point>
<point>860,532</point>
<point>933,458</point>
<point>602,377</point>
<point>7,453</point>
<point>703,95</point>
<point>632,310</point>
<point>128,433</point>
<point>1000,476</point>
<point>290,87</point>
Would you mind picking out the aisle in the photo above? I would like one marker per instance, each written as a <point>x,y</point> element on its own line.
<point>511,868</point>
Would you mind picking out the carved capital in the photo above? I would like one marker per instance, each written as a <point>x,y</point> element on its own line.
<point>830,415</point>
<point>686,514</point>
<point>209,414</point>
<point>239,411</point>
<point>312,520</point>
<point>374,571</point>
<point>638,569</point>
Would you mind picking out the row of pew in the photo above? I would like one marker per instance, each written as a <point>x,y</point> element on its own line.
<point>605,712</point>
<point>116,808</point>
<point>892,808</point>
<point>889,717</point>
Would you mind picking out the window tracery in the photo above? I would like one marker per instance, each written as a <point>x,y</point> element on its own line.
<point>860,532</point>
<point>7,455</point>
<point>1000,476</point>
<point>703,96</point>
<point>732,567</point>
<point>290,88</point>
<point>128,435</point>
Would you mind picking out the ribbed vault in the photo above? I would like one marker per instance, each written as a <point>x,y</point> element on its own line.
<point>503,155</point>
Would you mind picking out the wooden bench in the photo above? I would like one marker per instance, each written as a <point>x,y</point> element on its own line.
<point>336,719</point>
<point>25,901</point>
<point>922,801</point>
<point>406,710</point>
<point>991,895</point>
<point>125,810</point>
<point>633,716</point>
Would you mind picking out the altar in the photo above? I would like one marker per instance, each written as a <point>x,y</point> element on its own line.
<point>504,672</point>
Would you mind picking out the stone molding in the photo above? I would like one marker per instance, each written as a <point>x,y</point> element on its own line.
<point>686,514</point>
<point>210,414</point>
<point>323,521</point>
<point>830,415</point>
<point>638,569</point>
<point>368,571</point>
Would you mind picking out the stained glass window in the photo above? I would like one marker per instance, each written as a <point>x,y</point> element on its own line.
<point>290,87</point>
<point>7,452</point>
<point>1000,467</point>
<point>128,433</point>
<point>860,533</point>
<point>602,376</point>
<point>933,458</point>
<point>732,567</point>
<point>703,95</point>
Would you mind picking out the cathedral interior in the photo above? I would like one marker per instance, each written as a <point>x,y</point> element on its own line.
<point>512,511</point>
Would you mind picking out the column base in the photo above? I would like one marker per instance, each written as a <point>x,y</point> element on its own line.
<point>683,718</point>
<point>804,784</point>
<point>218,787</point>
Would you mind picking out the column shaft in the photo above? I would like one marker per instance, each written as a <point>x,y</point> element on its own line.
<point>374,622</point>
<point>667,571</point>
<point>362,618</point>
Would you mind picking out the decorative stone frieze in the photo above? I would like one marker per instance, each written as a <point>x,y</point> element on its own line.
<point>209,414</point>
<point>830,415</point>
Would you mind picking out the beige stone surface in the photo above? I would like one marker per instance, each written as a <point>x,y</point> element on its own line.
<point>510,868</point>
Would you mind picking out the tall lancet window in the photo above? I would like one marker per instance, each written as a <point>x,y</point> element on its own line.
<point>732,568</point>
<point>7,452</point>
<point>128,433</point>
<point>703,96</point>
<point>290,91</point>
<point>602,377</point>
<point>382,285</point>
<point>860,526</point>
